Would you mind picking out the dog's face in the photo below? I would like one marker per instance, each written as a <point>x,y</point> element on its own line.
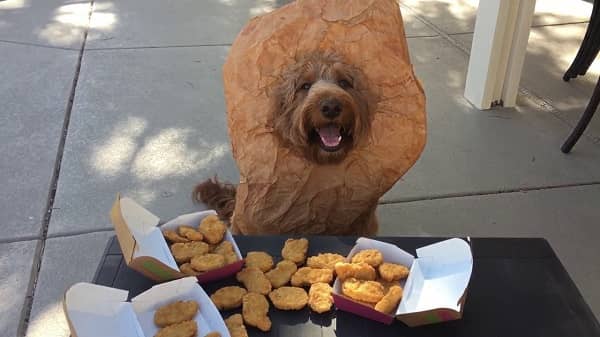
<point>320,108</point>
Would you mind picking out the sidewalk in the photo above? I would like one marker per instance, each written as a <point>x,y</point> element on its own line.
<point>126,96</point>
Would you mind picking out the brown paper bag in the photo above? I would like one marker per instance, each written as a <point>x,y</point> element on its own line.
<point>279,190</point>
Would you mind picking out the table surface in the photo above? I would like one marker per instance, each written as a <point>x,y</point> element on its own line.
<point>518,288</point>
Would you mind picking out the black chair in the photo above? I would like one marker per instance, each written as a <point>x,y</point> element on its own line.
<point>585,56</point>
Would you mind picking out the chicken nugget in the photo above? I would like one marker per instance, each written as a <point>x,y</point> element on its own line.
<point>212,229</point>
<point>306,276</point>
<point>173,237</point>
<point>230,257</point>
<point>361,271</point>
<point>187,269</point>
<point>295,250</point>
<point>175,312</point>
<point>183,329</point>
<point>289,298</point>
<point>260,260</point>
<point>372,257</point>
<point>226,249</point>
<point>254,311</point>
<point>366,291</point>
<point>228,297</point>
<point>392,272</point>
<point>183,252</point>
<point>324,260</point>
<point>387,284</point>
<point>254,280</point>
<point>207,262</point>
<point>223,248</point>
<point>213,334</point>
<point>282,273</point>
<point>390,301</point>
<point>190,233</point>
<point>319,297</point>
<point>235,325</point>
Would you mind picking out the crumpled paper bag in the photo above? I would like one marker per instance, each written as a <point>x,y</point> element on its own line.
<point>281,192</point>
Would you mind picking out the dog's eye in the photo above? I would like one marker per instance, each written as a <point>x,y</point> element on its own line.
<point>345,84</point>
<point>305,86</point>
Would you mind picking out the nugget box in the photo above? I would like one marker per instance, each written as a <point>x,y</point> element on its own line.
<point>145,249</point>
<point>435,289</point>
<point>98,311</point>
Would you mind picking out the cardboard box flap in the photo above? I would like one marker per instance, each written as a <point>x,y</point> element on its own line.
<point>84,296</point>
<point>209,319</point>
<point>154,245</point>
<point>97,311</point>
<point>163,293</point>
<point>446,256</point>
<point>438,277</point>
<point>140,221</point>
<point>131,219</point>
<point>126,240</point>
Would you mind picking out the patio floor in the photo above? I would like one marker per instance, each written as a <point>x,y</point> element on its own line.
<point>103,97</point>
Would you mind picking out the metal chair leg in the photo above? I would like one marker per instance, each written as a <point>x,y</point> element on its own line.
<point>590,46</point>
<point>583,121</point>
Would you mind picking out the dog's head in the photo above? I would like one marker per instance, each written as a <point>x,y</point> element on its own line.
<point>320,107</point>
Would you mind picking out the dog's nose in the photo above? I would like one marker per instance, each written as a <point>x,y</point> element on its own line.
<point>331,108</point>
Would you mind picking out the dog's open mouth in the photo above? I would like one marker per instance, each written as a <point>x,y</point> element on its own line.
<point>330,137</point>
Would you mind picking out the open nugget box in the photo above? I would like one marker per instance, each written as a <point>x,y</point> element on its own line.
<point>98,311</point>
<point>435,289</point>
<point>145,249</point>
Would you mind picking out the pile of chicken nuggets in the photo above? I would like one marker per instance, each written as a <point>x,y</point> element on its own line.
<point>371,281</point>
<point>176,319</point>
<point>290,284</point>
<point>201,249</point>
<point>297,281</point>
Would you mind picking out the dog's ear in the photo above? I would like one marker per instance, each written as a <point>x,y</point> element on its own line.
<point>282,105</point>
<point>364,98</point>
<point>283,93</point>
<point>287,121</point>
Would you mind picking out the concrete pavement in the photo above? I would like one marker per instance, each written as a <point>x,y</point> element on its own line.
<point>147,119</point>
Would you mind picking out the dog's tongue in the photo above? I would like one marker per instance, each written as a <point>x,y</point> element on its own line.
<point>330,135</point>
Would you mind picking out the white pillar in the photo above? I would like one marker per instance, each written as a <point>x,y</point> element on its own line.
<point>498,52</point>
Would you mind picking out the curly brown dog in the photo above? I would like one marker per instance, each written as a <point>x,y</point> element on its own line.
<point>320,110</point>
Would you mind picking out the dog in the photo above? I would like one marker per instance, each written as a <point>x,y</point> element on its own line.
<point>321,111</point>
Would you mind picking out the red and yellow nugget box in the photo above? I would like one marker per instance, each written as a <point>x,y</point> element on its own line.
<point>97,311</point>
<point>436,287</point>
<point>145,249</point>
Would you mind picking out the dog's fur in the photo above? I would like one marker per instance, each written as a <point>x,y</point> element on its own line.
<point>320,110</point>
<point>216,195</point>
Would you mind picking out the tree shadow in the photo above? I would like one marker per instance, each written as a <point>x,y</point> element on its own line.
<point>458,16</point>
<point>53,23</point>
<point>146,123</point>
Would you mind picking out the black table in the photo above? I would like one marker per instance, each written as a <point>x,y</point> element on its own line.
<point>518,288</point>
